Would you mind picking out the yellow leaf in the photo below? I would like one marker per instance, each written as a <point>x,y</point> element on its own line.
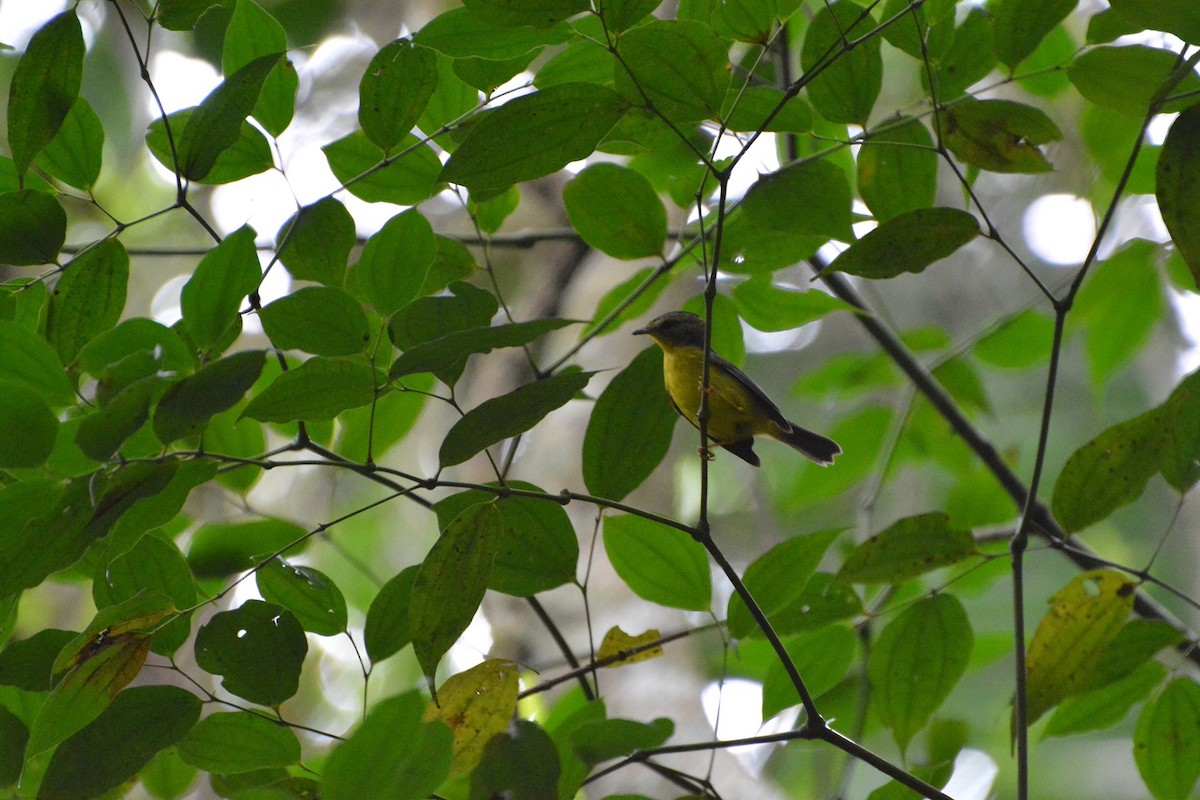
<point>619,646</point>
<point>476,704</point>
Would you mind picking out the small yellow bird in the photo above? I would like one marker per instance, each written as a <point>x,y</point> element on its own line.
<point>738,409</point>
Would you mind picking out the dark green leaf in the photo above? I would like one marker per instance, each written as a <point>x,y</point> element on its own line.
<point>432,356</point>
<point>221,549</point>
<point>253,33</point>
<point>540,552</point>
<point>653,58</point>
<point>1166,744</point>
<point>917,660</point>
<point>823,601</point>
<point>929,29</point>
<point>155,563</point>
<point>521,765</point>
<point>810,197</point>
<point>387,628</point>
<point>320,388</point>
<point>969,58</point>
<point>33,227</point>
<point>537,13</point>
<point>44,86</point>
<point>1102,708</point>
<point>1127,79</point>
<point>212,296</point>
<point>88,298</point>
<point>1178,187</point>
<point>848,81</point>
<point>13,738</point>
<point>601,740</point>
<point>906,549</point>
<point>239,741</point>
<point>29,663</point>
<point>257,649</point>
<point>999,135</point>
<point>770,307</point>
<point>611,467</point>
<point>370,431</point>
<point>909,242</point>
<point>216,123</point>
<point>822,657</point>
<point>620,15</point>
<point>394,91</point>
<point>458,33</point>
<point>29,428</point>
<point>305,591</point>
<point>31,362</point>
<point>778,577</point>
<point>394,262</point>
<point>317,319</point>
<point>1022,24</point>
<point>533,136</point>
<point>74,154</point>
<point>1179,17</point>
<point>114,747</point>
<point>756,109</point>
<point>182,15</point>
<point>249,155</point>
<point>616,211</point>
<point>506,416</point>
<point>315,243</point>
<point>188,405</point>
<point>452,581</point>
<point>897,169</point>
<point>1138,642</point>
<point>393,755</point>
<point>410,176</point>
<point>163,503</point>
<point>660,564</point>
<point>429,318</point>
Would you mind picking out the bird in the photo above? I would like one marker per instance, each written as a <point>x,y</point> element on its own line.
<point>738,408</point>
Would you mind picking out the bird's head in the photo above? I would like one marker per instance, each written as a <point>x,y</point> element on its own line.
<point>675,329</point>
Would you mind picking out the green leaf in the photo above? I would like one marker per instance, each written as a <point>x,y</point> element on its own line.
<point>1022,24</point>
<point>432,356</point>
<point>31,362</point>
<point>459,33</point>
<point>74,154</point>
<point>823,657</point>
<point>1084,618</point>
<point>909,242</point>
<point>88,298</point>
<point>1127,79</point>
<point>429,318</point>
<point>506,416</point>
<point>680,67</point>
<point>620,15</point>
<point>212,296</point>
<point>1166,743</point>
<point>452,581</point>
<point>604,739</point>
<point>969,58</point>
<point>188,405</point>
<point>320,388</point>
<point>1102,708</point>
<point>1137,643</point>
<point>257,649</point>
<point>1019,342</point>
<point>229,742</point>
<point>29,663</point>
<point>770,307</point>
<point>30,427</point>
<point>533,136</point>
<point>849,80</point>
<point>616,211</point>
<point>317,319</point>
<point>154,563</point>
<point>537,13</point>
<point>928,29</point>
<point>370,431</point>
<point>522,764</point>
<point>33,227</point>
<point>394,91</point>
<point>182,15</point>
<point>13,738</point>
<point>766,108</point>
<point>611,467</point>
<point>395,261</point>
<point>305,591</point>
<point>315,242</point>
<point>897,168</point>
<point>660,564</point>
<point>917,660</point>
<point>113,748</point>
<point>907,549</point>
<point>393,755</point>
<point>250,153</point>
<point>777,578</point>
<point>541,550</point>
<point>387,629</point>
<point>221,549</point>
<point>410,176</point>
<point>215,125</point>
<point>809,197</point>
<point>1178,186</point>
<point>998,135</point>
<point>1179,17</point>
<point>44,86</point>
<point>251,34</point>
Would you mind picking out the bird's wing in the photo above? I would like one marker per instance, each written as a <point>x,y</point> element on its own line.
<point>755,391</point>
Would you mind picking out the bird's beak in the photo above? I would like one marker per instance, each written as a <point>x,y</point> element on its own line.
<point>640,331</point>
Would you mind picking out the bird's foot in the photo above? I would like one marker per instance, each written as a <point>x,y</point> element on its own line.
<point>706,454</point>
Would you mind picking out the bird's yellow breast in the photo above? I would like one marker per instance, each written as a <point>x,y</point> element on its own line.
<point>732,415</point>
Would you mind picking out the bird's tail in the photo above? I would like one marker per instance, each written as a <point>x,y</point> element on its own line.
<point>814,446</point>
